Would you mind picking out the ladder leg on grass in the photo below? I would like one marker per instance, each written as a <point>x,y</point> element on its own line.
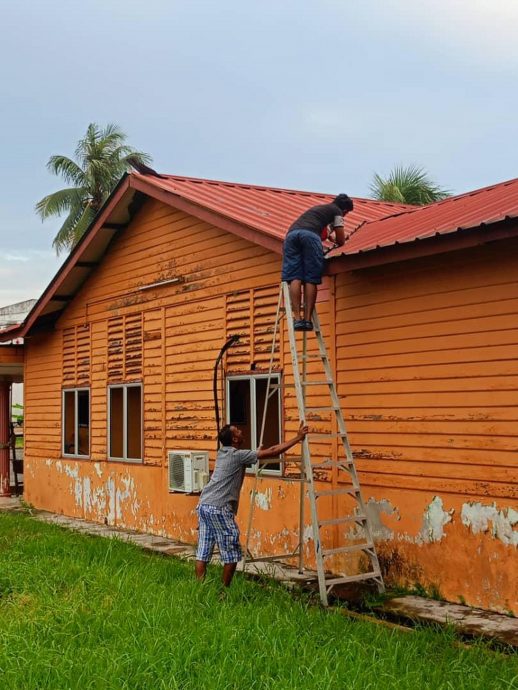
<point>350,487</point>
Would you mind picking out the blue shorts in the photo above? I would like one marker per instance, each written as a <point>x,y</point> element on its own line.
<point>218,526</point>
<point>302,257</point>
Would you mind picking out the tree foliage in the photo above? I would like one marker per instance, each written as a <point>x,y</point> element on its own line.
<point>407,185</point>
<point>100,159</point>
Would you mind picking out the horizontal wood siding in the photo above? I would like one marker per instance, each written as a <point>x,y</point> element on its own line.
<point>167,337</point>
<point>425,355</point>
<point>427,365</point>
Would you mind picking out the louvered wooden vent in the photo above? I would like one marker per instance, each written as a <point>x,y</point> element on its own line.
<point>251,314</point>
<point>125,347</point>
<point>76,356</point>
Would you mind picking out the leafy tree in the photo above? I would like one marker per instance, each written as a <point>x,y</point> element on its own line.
<point>101,158</point>
<point>407,185</point>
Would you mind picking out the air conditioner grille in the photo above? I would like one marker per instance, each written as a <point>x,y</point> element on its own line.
<point>177,471</point>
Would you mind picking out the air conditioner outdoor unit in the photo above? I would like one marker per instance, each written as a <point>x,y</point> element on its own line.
<point>188,470</point>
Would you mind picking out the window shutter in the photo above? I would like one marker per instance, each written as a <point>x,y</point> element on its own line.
<point>125,347</point>
<point>238,323</point>
<point>251,315</point>
<point>265,309</point>
<point>76,355</point>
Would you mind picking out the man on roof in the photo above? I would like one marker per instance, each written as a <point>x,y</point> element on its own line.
<point>219,500</point>
<point>303,254</point>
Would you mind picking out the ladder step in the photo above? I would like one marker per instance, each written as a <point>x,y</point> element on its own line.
<point>340,520</point>
<point>348,549</point>
<point>352,578</point>
<point>336,492</point>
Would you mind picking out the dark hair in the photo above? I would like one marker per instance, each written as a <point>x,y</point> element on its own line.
<point>344,202</point>
<point>225,435</point>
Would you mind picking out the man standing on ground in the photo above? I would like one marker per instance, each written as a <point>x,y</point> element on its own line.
<point>303,255</point>
<point>220,498</point>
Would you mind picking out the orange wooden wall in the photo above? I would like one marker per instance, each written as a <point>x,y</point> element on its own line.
<point>424,355</point>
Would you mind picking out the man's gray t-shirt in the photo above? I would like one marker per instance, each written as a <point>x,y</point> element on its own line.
<point>225,484</point>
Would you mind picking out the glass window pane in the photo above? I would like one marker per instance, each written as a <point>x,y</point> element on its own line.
<point>239,408</point>
<point>69,413</point>
<point>134,422</point>
<point>116,429</point>
<point>272,432</point>
<point>83,421</point>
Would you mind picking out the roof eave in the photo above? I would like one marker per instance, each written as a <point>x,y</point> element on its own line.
<point>417,248</point>
<point>207,215</point>
<point>72,260</point>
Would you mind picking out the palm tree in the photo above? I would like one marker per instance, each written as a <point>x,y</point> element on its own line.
<point>407,185</point>
<point>101,158</point>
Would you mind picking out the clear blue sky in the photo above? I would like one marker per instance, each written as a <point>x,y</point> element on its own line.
<point>293,93</point>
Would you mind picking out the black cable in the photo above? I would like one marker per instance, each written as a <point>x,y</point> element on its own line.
<point>231,341</point>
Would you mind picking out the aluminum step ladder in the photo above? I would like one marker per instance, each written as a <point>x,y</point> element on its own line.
<point>349,484</point>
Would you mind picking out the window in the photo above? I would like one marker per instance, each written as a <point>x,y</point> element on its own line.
<point>245,408</point>
<point>76,422</point>
<point>125,422</point>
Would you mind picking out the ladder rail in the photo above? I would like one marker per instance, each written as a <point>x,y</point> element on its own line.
<point>305,443</point>
<point>343,431</point>
<point>257,472</point>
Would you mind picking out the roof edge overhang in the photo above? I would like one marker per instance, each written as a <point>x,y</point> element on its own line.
<point>131,184</point>
<point>209,216</point>
<point>71,261</point>
<point>419,248</point>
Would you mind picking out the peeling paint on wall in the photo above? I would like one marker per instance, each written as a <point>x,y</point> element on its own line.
<point>374,510</point>
<point>480,518</point>
<point>307,534</point>
<point>434,519</point>
<point>122,496</point>
<point>264,500</point>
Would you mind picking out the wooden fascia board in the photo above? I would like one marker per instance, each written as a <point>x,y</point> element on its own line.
<point>439,244</point>
<point>75,256</point>
<point>208,216</point>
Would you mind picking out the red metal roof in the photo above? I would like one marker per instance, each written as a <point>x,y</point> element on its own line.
<point>466,211</point>
<point>262,214</point>
<point>267,209</point>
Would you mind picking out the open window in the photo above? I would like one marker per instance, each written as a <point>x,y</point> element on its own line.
<point>76,422</point>
<point>245,408</point>
<point>125,422</point>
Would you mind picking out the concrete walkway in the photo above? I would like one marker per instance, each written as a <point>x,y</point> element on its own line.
<point>465,619</point>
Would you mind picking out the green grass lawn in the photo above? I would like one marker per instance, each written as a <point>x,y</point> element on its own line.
<point>85,612</point>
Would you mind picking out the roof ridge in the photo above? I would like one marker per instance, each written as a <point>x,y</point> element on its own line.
<point>286,190</point>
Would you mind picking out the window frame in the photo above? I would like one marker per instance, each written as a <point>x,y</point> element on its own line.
<point>76,390</point>
<point>124,387</point>
<point>276,379</point>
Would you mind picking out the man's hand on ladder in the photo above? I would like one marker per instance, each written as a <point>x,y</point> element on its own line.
<point>303,430</point>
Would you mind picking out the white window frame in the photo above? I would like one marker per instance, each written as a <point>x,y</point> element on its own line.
<point>125,387</point>
<point>76,390</point>
<point>275,380</point>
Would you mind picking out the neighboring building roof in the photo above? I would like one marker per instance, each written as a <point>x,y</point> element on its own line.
<point>262,215</point>
<point>14,314</point>
<point>463,212</point>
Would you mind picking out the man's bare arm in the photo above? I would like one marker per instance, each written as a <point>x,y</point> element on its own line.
<point>275,451</point>
<point>339,236</point>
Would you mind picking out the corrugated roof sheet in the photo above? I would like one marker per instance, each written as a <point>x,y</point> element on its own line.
<point>457,213</point>
<point>267,209</point>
